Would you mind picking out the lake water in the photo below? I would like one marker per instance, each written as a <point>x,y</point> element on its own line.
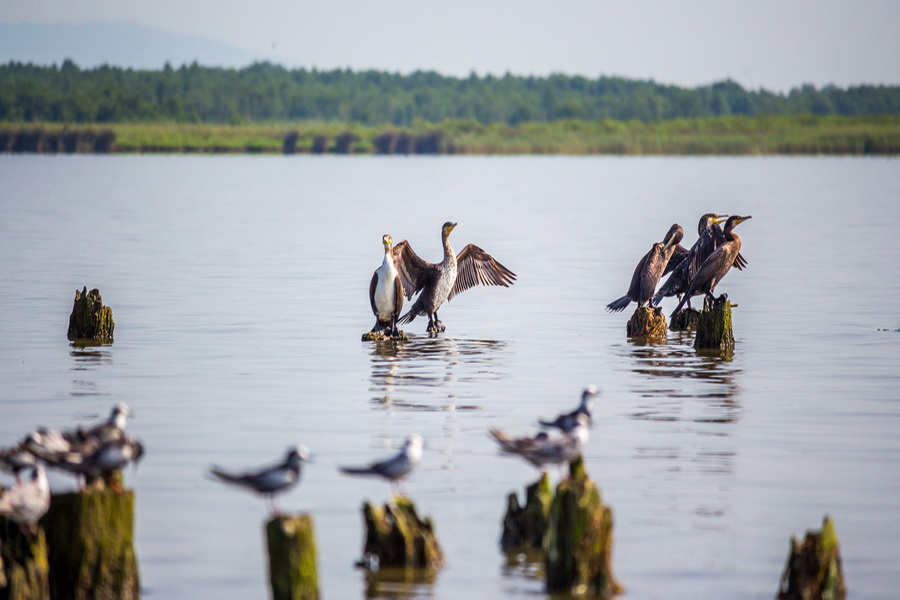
<point>239,289</point>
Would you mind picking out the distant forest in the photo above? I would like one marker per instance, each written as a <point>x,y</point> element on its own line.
<point>266,92</point>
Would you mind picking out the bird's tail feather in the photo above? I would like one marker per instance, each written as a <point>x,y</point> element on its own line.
<point>618,305</point>
<point>223,475</point>
<point>407,318</point>
<point>357,470</point>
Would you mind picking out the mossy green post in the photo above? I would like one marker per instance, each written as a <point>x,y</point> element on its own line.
<point>813,570</point>
<point>714,331</point>
<point>90,321</point>
<point>293,573</point>
<point>24,570</point>
<point>579,542</point>
<point>90,541</point>
<point>525,527</point>
<point>685,320</point>
<point>397,537</point>
<point>647,322</point>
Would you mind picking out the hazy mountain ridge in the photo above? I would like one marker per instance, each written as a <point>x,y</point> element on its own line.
<point>131,45</point>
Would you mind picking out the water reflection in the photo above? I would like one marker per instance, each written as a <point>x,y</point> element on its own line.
<point>88,358</point>
<point>403,370</point>
<point>400,583</point>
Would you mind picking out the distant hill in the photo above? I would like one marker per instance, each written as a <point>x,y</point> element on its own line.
<point>119,44</point>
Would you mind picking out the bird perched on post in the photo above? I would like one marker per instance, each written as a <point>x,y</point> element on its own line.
<point>542,449</point>
<point>395,468</point>
<point>270,480</point>
<point>716,266</point>
<point>386,292</point>
<point>27,501</point>
<point>442,281</point>
<point>648,271</point>
<point>566,421</point>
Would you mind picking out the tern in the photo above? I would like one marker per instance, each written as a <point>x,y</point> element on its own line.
<point>566,421</point>
<point>542,449</point>
<point>270,480</point>
<point>397,467</point>
<point>27,501</point>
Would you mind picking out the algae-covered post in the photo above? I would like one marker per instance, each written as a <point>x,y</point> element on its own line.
<point>813,570</point>
<point>714,331</point>
<point>293,573</point>
<point>647,322</point>
<point>685,319</point>
<point>397,537</point>
<point>524,527</point>
<point>90,541</point>
<point>24,571</point>
<point>579,542</point>
<point>90,321</point>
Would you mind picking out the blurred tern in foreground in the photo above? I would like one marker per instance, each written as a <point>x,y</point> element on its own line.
<point>542,449</point>
<point>271,480</point>
<point>395,468</point>
<point>27,501</point>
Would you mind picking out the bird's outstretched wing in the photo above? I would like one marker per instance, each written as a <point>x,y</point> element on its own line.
<point>474,267</point>
<point>414,272</point>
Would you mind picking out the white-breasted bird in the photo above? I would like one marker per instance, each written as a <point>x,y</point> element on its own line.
<point>27,501</point>
<point>543,449</point>
<point>270,480</point>
<point>386,292</point>
<point>566,421</point>
<point>397,467</point>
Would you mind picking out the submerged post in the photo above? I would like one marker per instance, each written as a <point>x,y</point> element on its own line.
<point>525,527</point>
<point>24,571</point>
<point>647,322</point>
<point>90,541</point>
<point>293,573</point>
<point>714,331</point>
<point>579,542</point>
<point>90,321</point>
<point>813,570</point>
<point>397,537</point>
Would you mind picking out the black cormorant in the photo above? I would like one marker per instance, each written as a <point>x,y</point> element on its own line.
<point>649,270</point>
<point>386,292</point>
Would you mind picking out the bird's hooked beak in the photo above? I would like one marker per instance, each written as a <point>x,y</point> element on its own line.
<point>718,219</point>
<point>387,241</point>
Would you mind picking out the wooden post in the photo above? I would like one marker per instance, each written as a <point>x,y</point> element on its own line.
<point>24,571</point>
<point>647,322</point>
<point>813,570</point>
<point>685,320</point>
<point>90,541</point>
<point>397,537</point>
<point>293,573</point>
<point>90,321</point>
<point>714,331</point>
<point>579,542</point>
<point>524,527</point>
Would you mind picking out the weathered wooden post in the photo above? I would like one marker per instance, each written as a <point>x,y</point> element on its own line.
<point>525,527</point>
<point>647,322</point>
<point>579,542</point>
<point>24,571</point>
<point>397,537</point>
<point>685,320</point>
<point>90,542</point>
<point>90,321</point>
<point>813,570</point>
<point>293,573</point>
<point>714,331</point>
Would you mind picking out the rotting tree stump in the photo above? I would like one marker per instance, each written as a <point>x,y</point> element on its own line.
<point>647,322</point>
<point>525,527</point>
<point>685,319</point>
<point>714,330</point>
<point>813,570</point>
<point>90,541</point>
<point>378,336</point>
<point>397,537</point>
<point>293,573</point>
<point>90,321</point>
<point>24,570</point>
<point>579,541</point>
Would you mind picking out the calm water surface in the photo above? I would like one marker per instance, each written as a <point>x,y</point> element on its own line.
<point>239,288</point>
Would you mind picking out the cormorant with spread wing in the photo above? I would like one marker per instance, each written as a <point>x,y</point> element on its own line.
<point>710,237</point>
<point>716,266</point>
<point>442,281</point>
<point>648,271</point>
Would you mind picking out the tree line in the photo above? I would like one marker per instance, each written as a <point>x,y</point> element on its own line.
<point>267,92</point>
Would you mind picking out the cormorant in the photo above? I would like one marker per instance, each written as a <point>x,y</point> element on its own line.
<point>386,292</point>
<point>710,237</point>
<point>649,270</point>
<point>442,281</point>
<point>716,265</point>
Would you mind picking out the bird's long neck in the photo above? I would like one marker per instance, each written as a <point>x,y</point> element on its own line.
<point>448,249</point>
<point>388,258</point>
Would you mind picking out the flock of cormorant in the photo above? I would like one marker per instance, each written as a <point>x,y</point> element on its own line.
<point>96,453</point>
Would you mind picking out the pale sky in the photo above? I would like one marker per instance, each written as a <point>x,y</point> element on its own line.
<point>776,44</point>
